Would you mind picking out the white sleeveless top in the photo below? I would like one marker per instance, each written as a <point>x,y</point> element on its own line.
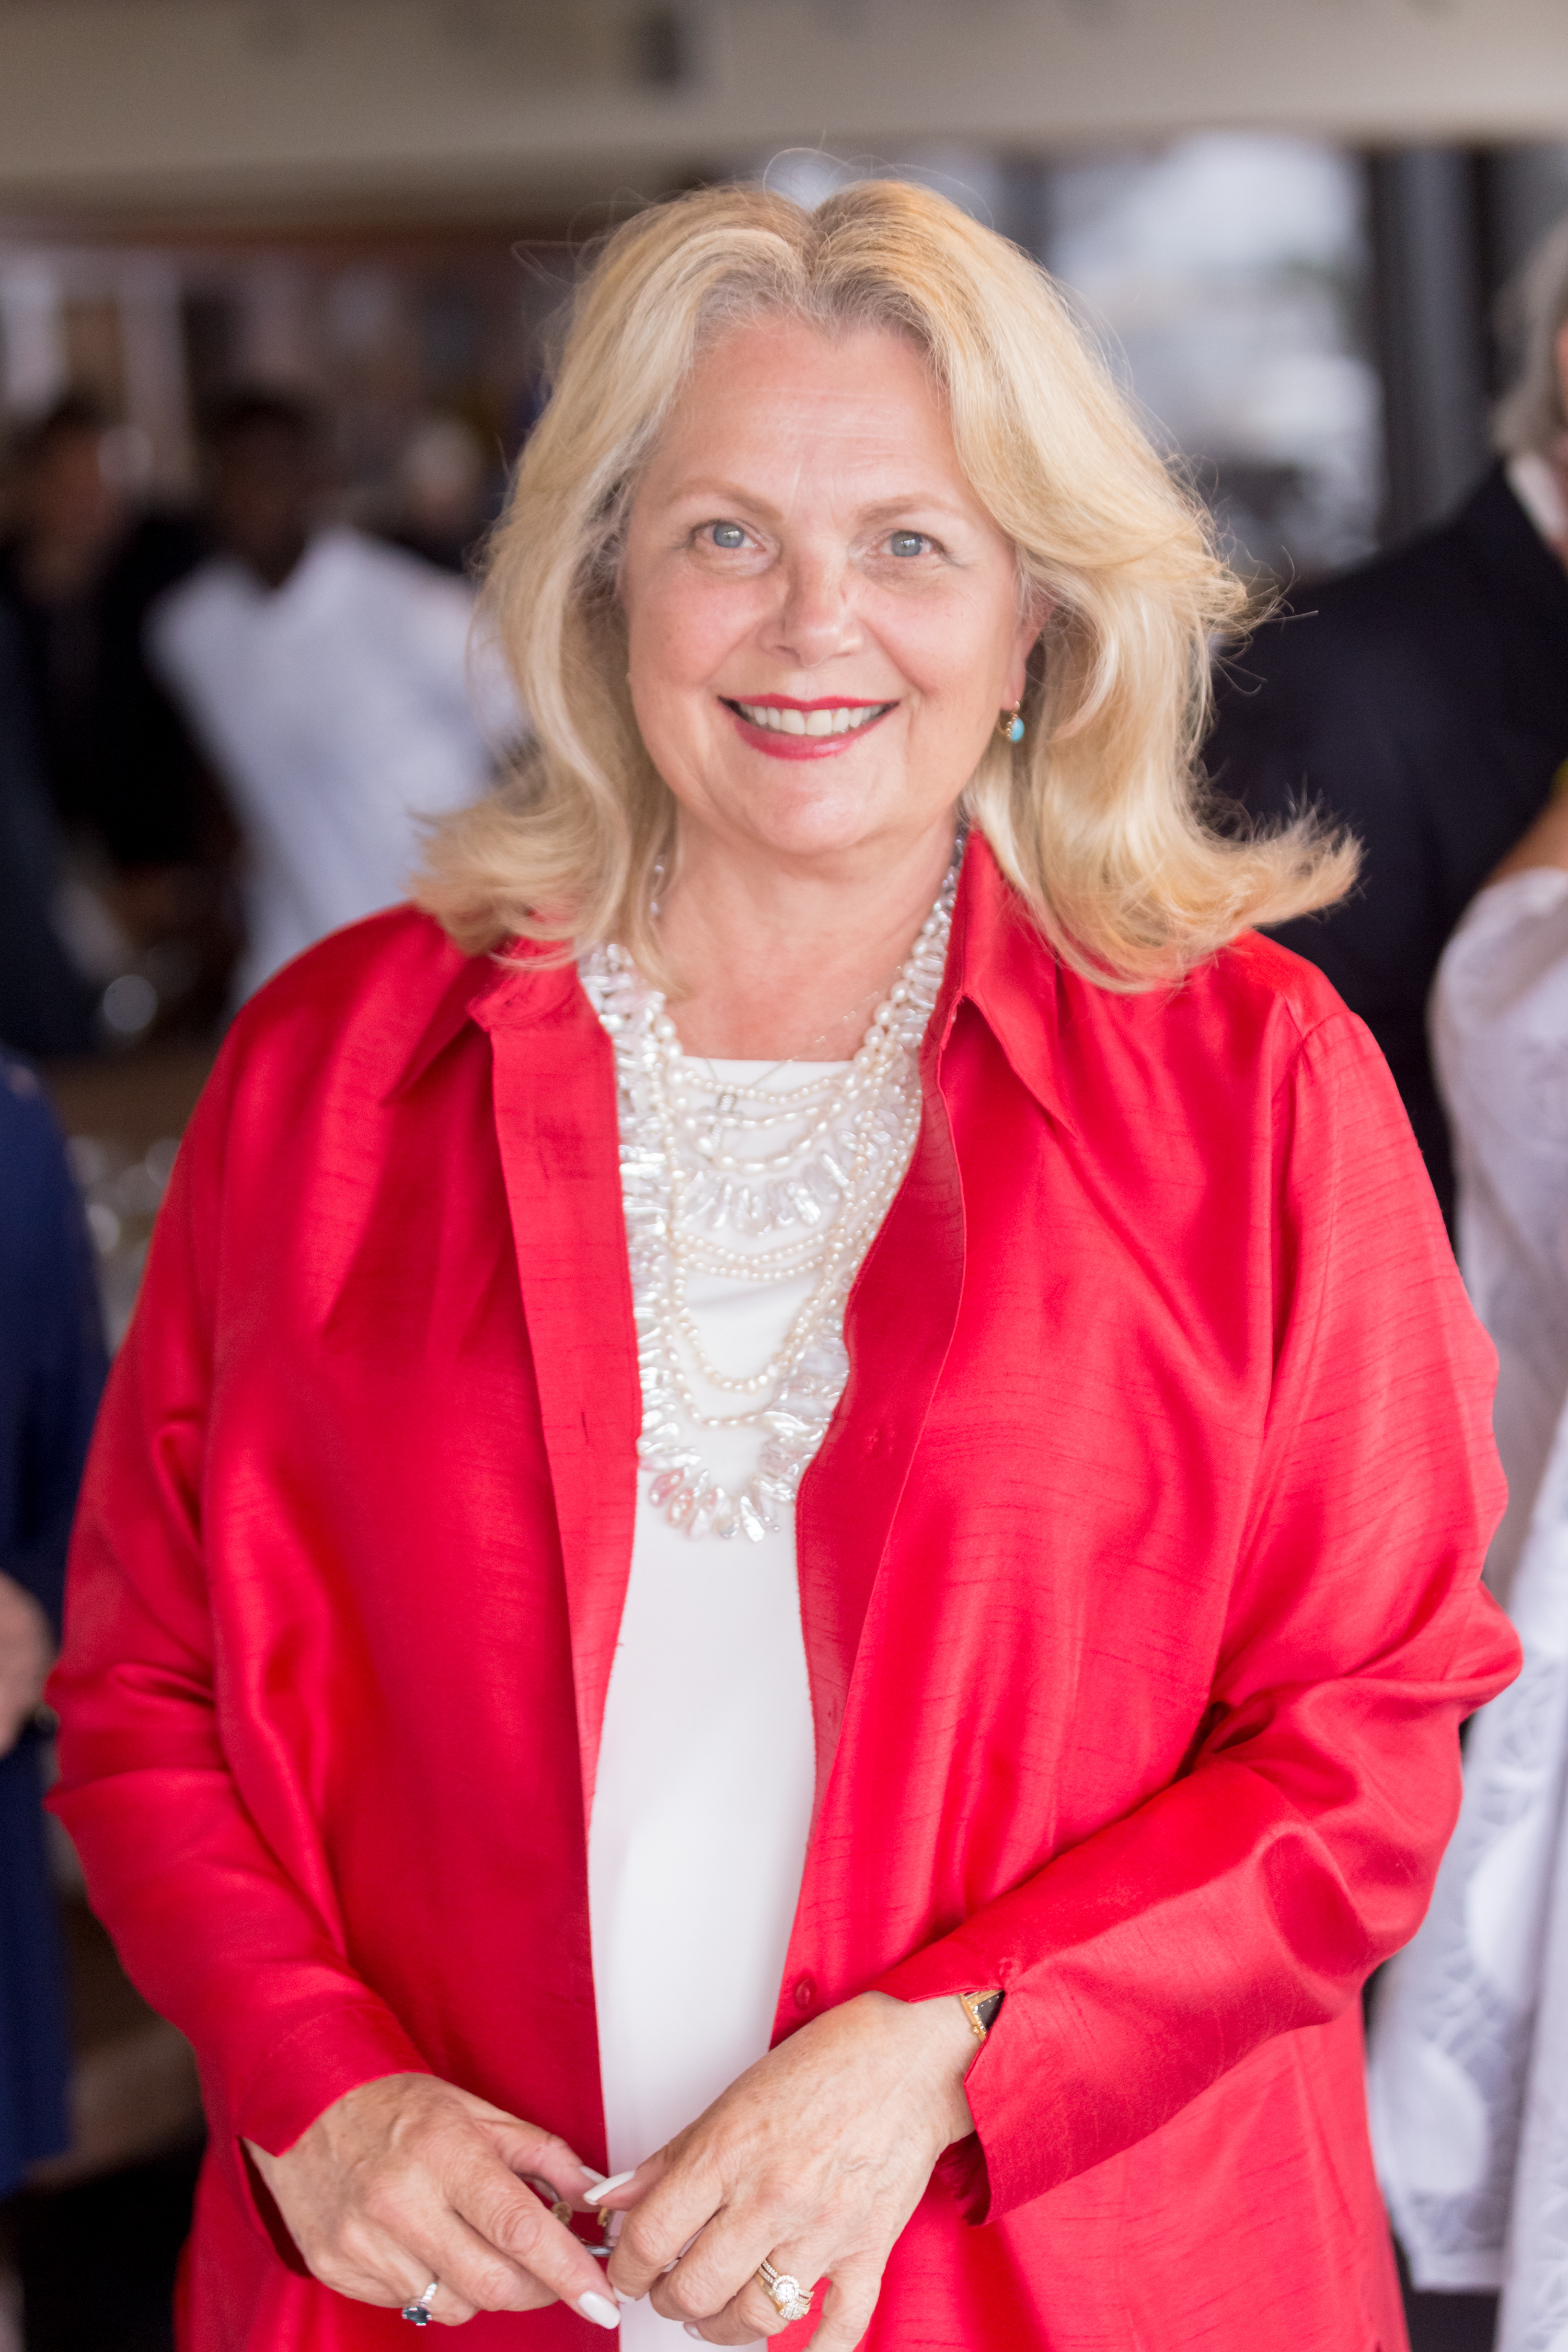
<point>705,1782</point>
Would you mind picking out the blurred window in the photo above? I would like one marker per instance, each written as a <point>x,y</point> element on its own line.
<point>1230,273</point>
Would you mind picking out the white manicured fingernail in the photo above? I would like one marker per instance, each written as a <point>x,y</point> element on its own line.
<point>617,2181</point>
<point>601,2313</point>
<point>692,2331</point>
<point>595,2179</point>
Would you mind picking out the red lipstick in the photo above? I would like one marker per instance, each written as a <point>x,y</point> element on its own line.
<point>777,745</point>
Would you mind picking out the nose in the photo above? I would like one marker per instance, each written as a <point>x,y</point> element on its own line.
<point>815,618</point>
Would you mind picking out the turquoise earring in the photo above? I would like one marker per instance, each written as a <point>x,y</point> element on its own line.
<point>1010,725</point>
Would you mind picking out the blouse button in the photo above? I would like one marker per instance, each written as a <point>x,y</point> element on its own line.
<point>804,1992</point>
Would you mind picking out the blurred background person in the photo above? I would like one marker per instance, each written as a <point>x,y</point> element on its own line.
<point>79,570</point>
<point>51,1369</point>
<point>45,1004</point>
<point>447,493</point>
<point>146,832</point>
<point>1422,700</point>
<point>329,675</point>
<point>1469,2062</point>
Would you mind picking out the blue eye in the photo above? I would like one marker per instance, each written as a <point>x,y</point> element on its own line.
<point>909,542</point>
<point>726,534</point>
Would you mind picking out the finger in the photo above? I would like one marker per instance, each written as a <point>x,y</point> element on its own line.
<point>716,2278</point>
<point>470,2268</point>
<point>374,2265</point>
<point>735,2312</point>
<point>510,2219</point>
<point>524,2150</point>
<point>731,2326</point>
<point>848,2307</point>
<point>369,2265</point>
<point>436,2224</point>
<point>447,2307</point>
<point>616,2193</point>
<point>665,2221</point>
<point>842,2293</point>
<point>624,2190</point>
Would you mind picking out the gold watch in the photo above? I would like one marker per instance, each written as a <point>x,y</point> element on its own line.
<point>981,2009</point>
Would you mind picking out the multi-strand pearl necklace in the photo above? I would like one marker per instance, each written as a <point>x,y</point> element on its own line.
<point>835,1151</point>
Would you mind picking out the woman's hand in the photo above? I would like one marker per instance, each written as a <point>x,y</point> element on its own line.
<point>812,2161</point>
<point>27,1646</point>
<point>407,2179</point>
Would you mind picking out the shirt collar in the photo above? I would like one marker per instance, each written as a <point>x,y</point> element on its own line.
<point>998,961</point>
<point>1535,483</point>
<point>487,988</point>
<point>1002,965</point>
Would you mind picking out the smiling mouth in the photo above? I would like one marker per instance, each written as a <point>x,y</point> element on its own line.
<point>789,719</point>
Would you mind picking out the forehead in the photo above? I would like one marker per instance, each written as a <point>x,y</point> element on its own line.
<point>262,446</point>
<point>67,445</point>
<point>777,395</point>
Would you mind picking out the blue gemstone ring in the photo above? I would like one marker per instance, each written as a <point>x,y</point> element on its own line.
<point>418,2313</point>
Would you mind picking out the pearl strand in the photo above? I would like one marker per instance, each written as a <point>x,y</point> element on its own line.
<point>836,1177</point>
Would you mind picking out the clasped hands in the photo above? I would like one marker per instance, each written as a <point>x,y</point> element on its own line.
<point>812,2160</point>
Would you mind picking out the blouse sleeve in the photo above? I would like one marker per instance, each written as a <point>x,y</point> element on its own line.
<point>1297,1848</point>
<point>1499,1035</point>
<point>211,1929</point>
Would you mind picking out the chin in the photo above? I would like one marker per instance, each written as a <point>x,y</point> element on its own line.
<point>807,812</point>
<point>816,832</point>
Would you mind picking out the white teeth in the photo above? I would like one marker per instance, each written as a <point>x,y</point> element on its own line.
<point>843,721</point>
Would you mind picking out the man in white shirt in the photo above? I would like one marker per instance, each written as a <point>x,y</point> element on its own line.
<point>328,675</point>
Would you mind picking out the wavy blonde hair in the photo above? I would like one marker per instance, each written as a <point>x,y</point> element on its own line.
<point>1099,818</point>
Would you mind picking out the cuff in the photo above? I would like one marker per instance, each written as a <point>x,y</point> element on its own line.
<point>946,1967</point>
<point>315,2064</point>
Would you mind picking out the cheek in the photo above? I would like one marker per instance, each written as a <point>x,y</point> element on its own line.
<point>679,631</point>
<point>953,650</point>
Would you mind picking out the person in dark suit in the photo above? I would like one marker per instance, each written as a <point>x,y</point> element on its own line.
<point>45,1004</point>
<point>1423,701</point>
<point>78,573</point>
<point>51,1369</point>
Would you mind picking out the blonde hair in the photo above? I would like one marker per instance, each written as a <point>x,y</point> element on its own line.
<point>1099,818</point>
<point>1530,418</point>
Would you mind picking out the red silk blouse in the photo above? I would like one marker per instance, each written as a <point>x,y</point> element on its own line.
<point>1138,1575</point>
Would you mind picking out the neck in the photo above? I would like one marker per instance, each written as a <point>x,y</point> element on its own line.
<point>273,565</point>
<point>59,571</point>
<point>774,960</point>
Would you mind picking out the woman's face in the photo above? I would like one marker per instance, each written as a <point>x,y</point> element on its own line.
<point>824,622</point>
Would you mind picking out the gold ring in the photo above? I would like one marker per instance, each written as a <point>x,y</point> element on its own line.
<point>786,2293</point>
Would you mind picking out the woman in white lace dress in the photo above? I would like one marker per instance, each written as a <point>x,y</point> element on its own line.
<point>1469,2064</point>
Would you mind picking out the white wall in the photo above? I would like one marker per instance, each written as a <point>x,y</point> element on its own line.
<point>268,104</point>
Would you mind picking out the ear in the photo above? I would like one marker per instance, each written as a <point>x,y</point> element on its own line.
<point>1032,621</point>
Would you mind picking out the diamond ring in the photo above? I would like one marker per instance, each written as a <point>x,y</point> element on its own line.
<point>783,2293</point>
<point>417,2313</point>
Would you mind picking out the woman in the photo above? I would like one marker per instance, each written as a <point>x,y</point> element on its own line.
<point>1469,2074</point>
<point>961,1773</point>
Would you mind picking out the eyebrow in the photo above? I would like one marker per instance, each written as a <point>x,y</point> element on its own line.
<point>932,501</point>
